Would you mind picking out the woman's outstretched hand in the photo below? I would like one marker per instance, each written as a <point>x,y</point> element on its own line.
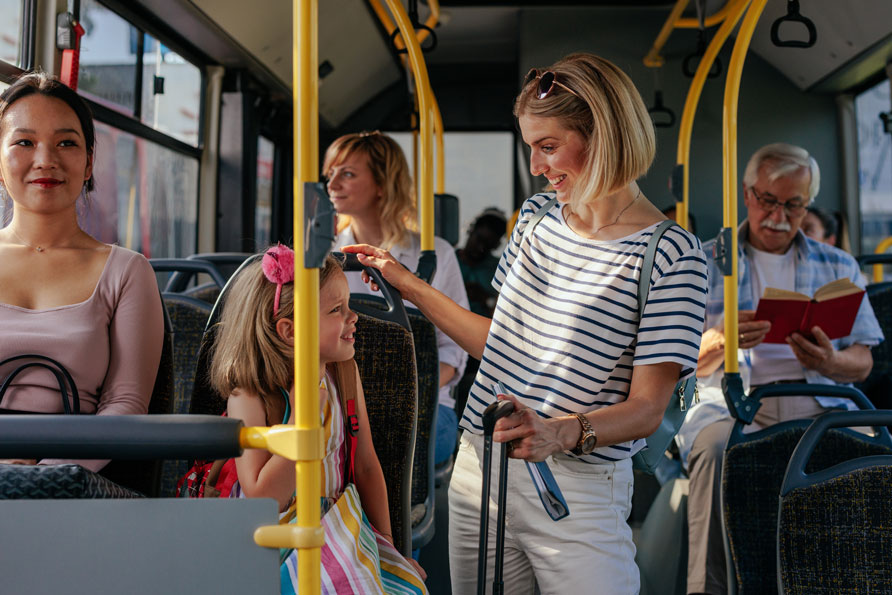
<point>391,269</point>
<point>528,436</point>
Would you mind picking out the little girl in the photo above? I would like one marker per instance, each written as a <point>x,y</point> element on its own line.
<point>252,364</point>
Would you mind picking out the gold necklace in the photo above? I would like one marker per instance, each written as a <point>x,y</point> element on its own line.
<point>615,221</point>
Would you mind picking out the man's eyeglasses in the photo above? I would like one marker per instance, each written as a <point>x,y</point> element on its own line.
<point>793,208</point>
<point>547,82</point>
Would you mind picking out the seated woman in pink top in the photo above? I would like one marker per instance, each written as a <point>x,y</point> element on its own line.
<point>93,307</point>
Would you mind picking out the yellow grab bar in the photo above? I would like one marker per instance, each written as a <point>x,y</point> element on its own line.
<point>653,59</point>
<point>714,19</point>
<point>878,268</point>
<point>431,22</point>
<point>307,537</point>
<point>686,126</point>
<point>425,125</point>
<point>729,139</point>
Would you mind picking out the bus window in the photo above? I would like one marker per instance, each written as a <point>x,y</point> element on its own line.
<point>479,171</point>
<point>874,166</point>
<point>11,32</point>
<point>134,206</point>
<point>171,92</point>
<point>167,97</point>
<point>264,209</point>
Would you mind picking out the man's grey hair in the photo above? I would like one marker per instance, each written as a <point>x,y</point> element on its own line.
<point>782,159</point>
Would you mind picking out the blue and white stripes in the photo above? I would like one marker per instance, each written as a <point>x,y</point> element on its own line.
<point>565,333</point>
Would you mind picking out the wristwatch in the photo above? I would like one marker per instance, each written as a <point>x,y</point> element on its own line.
<point>588,440</point>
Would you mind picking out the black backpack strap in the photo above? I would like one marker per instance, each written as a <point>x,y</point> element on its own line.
<point>647,266</point>
<point>537,217</point>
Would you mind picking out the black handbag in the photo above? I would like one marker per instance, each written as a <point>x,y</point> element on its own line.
<point>52,481</point>
<point>71,406</point>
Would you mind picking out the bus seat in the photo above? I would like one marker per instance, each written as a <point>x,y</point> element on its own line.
<point>206,292</point>
<point>752,472</point>
<point>878,385</point>
<point>226,263</point>
<point>446,217</point>
<point>664,534</point>
<point>427,363</point>
<point>145,476</point>
<point>189,317</point>
<point>833,532</point>
<point>385,355</point>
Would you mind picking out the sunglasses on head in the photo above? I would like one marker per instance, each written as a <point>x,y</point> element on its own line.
<point>547,82</point>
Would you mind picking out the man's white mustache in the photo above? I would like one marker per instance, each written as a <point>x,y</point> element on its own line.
<point>782,226</point>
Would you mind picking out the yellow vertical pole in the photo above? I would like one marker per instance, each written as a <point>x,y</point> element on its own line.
<point>878,268</point>
<point>306,282</point>
<point>686,127</point>
<point>426,128</point>
<point>729,138</point>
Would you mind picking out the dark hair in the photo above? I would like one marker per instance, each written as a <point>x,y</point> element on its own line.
<point>41,83</point>
<point>492,218</point>
<point>827,220</point>
<point>692,222</point>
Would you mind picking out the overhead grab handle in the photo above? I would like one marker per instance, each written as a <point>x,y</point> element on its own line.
<point>658,109</point>
<point>419,26</point>
<point>692,60</point>
<point>794,17</point>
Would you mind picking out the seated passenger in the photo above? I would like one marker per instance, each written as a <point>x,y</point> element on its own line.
<point>370,186</point>
<point>93,307</point>
<point>252,364</point>
<point>820,226</point>
<point>779,183</point>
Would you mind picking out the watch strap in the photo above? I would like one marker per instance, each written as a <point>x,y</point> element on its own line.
<point>587,430</point>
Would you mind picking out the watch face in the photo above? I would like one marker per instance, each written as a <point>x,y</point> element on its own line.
<point>588,444</point>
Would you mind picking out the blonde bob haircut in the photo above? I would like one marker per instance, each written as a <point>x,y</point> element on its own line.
<point>248,353</point>
<point>391,173</point>
<point>607,111</point>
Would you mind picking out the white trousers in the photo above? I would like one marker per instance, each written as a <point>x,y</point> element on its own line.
<point>589,551</point>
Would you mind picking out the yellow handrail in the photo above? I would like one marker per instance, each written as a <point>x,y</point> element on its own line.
<point>425,125</point>
<point>686,126</point>
<point>431,22</point>
<point>729,139</point>
<point>878,268</point>
<point>715,18</point>
<point>303,441</point>
<point>653,59</point>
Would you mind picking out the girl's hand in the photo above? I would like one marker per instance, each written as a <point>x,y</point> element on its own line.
<point>391,269</point>
<point>529,436</point>
<point>418,568</point>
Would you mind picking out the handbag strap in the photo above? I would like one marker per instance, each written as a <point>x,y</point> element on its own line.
<point>537,217</point>
<point>647,266</point>
<point>72,406</point>
<point>345,384</point>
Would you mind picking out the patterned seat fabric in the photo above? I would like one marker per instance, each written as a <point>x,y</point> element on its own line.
<point>752,474</point>
<point>145,476</point>
<point>189,316</point>
<point>385,356</point>
<point>835,537</point>
<point>57,482</point>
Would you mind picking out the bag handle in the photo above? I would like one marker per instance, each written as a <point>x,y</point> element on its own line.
<point>647,266</point>
<point>58,370</point>
<point>345,384</point>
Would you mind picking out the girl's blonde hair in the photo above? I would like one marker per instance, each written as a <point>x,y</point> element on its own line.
<point>248,353</point>
<point>391,172</point>
<point>607,111</point>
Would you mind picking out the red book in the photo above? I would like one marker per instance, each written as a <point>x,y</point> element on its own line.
<point>833,308</point>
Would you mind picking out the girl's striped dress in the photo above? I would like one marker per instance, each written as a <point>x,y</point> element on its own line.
<point>355,557</point>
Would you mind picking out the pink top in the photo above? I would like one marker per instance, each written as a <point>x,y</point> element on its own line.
<point>110,343</point>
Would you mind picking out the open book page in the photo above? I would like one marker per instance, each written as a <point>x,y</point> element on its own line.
<point>836,289</point>
<point>773,293</point>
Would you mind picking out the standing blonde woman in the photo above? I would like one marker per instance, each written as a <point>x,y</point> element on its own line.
<point>589,379</point>
<point>370,186</point>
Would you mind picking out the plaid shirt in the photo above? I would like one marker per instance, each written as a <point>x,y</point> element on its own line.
<point>816,265</point>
